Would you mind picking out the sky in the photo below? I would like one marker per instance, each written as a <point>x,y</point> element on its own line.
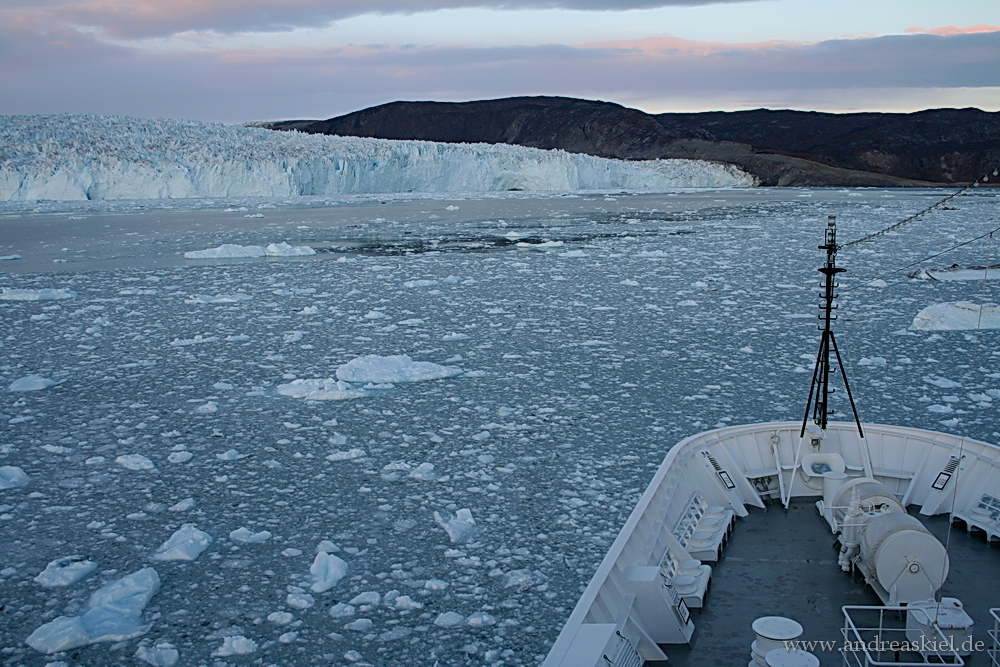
<point>241,60</point>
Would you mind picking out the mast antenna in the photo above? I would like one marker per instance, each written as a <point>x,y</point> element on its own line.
<point>819,391</point>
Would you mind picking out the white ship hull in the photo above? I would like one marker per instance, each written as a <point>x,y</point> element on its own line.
<point>641,595</point>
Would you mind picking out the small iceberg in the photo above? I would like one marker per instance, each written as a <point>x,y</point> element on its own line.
<point>327,570</point>
<point>320,390</point>
<point>65,571</point>
<point>283,249</point>
<point>226,251</point>
<point>957,316</point>
<point>186,543</point>
<point>11,294</point>
<point>113,614</point>
<point>393,369</point>
<point>31,383</point>
<point>12,477</point>
<point>460,528</point>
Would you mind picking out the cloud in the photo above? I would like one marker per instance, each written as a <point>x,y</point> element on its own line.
<point>949,30</point>
<point>83,75</point>
<point>136,19</point>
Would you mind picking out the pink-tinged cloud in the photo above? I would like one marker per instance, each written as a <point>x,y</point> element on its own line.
<point>83,75</point>
<point>949,30</point>
<point>132,19</point>
<point>673,46</point>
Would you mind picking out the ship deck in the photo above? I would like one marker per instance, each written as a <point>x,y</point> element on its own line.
<point>781,563</point>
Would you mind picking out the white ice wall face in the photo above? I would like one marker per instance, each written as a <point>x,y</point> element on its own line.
<point>114,157</point>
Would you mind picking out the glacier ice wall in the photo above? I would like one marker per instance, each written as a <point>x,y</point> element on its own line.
<point>79,157</point>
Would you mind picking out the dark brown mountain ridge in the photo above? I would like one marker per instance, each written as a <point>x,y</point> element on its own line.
<point>784,148</point>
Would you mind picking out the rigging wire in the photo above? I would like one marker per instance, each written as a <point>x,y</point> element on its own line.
<point>984,178</point>
<point>921,261</point>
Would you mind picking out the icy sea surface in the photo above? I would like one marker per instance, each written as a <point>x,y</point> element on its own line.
<point>497,382</point>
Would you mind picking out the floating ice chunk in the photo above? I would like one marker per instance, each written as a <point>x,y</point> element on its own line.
<point>454,336</point>
<point>424,471</point>
<point>460,528</point>
<point>327,570</point>
<point>688,302</point>
<point>231,455</point>
<point>197,340</point>
<point>112,614</point>
<point>12,477</point>
<point>65,571</point>
<point>943,383</point>
<point>940,409</point>
<point>244,536</point>
<point>179,457</point>
<point>299,600</point>
<point>367,598</point>
<point>320,390</point>
<point>451,207</point>
<point>186,543</point>
<point>547,245</point>
<point>207,408</point>
<point>135,462</point>
<point>31,383</point>
<point>435,585</point>
<point>957,316</point>
<point>220,298</point>
<point>404,603</point>
<point>359,625</point>
<point>342,610</point>
<point>652,253</point>
<point>238,645</point>
<point>349,455</point>
<point>283,249</point>
<point>280,617</point>
<point>878,282</point>
<point>9,257</point>
<point>449,619</point>
<point>481,619</point>
<point>419,283</point>
<point>161,655</point>
<point>184,505</point>
<point>520,579</point>
<point>393,369</point>
<point>872,361</point>
<point>573,253</point>
<point>226,251</point>
<point>11,294</point>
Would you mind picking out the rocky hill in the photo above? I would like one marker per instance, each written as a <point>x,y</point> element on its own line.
<point>937,146</point>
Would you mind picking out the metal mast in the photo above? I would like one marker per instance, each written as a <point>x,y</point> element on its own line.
<point>820,389</point>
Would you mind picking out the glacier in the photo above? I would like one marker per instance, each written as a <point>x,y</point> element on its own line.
<point>89,157</point>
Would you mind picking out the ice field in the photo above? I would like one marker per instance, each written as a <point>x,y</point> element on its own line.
<point>415,446</point>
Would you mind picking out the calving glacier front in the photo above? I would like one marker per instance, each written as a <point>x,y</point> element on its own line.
<point>115,157</point>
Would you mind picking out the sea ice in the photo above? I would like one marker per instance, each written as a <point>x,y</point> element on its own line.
<point>244,536</point>
<point>135,462</point>
<point>226,251</point>
<point>460,528</point>
<point>11,294</point>
<point>393,369</point>
<point>327,570</point>
<point>186,543</point>
<point>12,477</point>
<point>449,619</point>
<point>237,645</point>
<point>283,249</point>
<point>957,316</point>
<point>320,390</point>
<point>31,383</point>
<point>161,655</point>
<point>65,571</point>
<point>220,298</point>
<point>112,614</point>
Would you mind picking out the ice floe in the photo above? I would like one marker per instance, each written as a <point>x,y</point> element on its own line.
<point>393,369</point>
<point>47,294</point>
<point>320,390</point>
<point>185,544</point>
<point>957,316</point>
<point>460,528</point>
<point>113,614</point>
<point>31,383</point>
<point>226,251</point>
<point>163,654</point>
<point>12,477</point>
<point>65,571</point>
<point>327,570</point>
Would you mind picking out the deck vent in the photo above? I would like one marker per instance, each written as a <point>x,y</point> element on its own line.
<point>945,475</point>
<point>723,475</point>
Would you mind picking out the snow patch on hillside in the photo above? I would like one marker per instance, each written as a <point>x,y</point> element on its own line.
<point>87,157</point>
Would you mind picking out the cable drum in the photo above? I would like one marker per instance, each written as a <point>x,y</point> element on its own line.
<point>871,495</point>
<point>904,557</point>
